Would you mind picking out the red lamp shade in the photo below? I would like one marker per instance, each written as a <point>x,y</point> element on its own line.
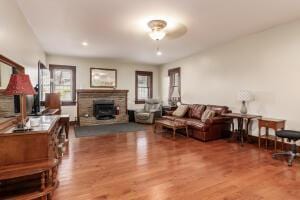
<point>19,84</point>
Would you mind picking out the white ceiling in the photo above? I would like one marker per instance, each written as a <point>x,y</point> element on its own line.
<point>115,28</point>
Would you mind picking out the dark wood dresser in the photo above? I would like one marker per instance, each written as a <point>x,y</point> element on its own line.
<point>29,160</point>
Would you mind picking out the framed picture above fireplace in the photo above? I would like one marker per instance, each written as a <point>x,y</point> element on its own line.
<point>103,78</point>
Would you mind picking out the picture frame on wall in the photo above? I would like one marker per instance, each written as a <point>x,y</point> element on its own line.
<point>103,78</point>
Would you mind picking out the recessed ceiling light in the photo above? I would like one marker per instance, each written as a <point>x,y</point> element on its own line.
<point>84,44</point>
<point>158,53</point>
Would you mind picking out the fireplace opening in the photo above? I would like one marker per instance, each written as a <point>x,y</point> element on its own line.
<point>104,109</point>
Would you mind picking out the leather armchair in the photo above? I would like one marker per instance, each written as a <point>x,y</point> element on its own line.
<point>152,110</point>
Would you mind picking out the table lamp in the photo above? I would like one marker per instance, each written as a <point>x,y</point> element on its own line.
<point>175,96</point>
<point>244,96</point>
<point>19,84</point>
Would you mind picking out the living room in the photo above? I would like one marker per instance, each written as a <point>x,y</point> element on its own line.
<point>149,100</point>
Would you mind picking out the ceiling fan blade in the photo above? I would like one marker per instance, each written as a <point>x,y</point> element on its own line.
<point>178,31</point>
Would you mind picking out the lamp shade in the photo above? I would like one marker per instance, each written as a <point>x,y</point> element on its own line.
<point>157,35</point>
<point>245,95</point>
<point>19,84</point>
<point>175,93</point>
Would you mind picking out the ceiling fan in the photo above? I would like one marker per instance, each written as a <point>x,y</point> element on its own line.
<point>159,31</point>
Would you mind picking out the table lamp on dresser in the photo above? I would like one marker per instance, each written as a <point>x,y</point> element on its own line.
<point>20,84</point>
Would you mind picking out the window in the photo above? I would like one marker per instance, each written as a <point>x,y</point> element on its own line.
<point>44,81</point>
<point>63,81</point>
<point>174,77</point>
<point>143,86</point>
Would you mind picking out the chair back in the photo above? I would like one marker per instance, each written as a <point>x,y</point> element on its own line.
<point>152,104</point>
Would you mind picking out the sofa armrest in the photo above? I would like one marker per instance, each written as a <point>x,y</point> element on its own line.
<point>218,120</point>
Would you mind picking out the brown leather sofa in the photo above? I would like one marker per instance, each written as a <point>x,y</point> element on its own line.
<point>212,129</point>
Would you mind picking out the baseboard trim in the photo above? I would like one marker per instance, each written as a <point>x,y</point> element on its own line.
<point>252,139</point>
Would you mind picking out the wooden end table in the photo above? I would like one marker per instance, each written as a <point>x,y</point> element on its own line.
<point>171,125</point>
<point>275,124</point>
<point>241,118</point>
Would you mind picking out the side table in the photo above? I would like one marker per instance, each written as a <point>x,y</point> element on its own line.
<point>131,115</point>
<point>166,109</point>
<point>275,124</point>
<point>241,118</point>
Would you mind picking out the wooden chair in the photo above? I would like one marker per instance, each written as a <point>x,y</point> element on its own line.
<point>52,104</point>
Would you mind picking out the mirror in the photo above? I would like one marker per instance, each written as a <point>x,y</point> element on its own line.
<point>8,104</point>
<point>5,73</point>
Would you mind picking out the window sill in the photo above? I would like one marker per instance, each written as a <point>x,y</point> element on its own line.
<point>139,101</point>
<point>68,103</point>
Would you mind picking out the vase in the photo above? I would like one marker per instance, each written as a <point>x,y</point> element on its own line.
<point>244,108</point>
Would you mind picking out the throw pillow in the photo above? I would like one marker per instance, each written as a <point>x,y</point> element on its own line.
<point>180,111</point>
<point>208,114</point>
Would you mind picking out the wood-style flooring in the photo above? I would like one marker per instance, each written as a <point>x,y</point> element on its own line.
<point>144,165</point>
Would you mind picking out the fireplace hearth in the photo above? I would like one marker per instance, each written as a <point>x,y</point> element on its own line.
<point>104,109</point>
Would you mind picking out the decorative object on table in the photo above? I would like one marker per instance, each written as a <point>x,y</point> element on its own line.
<point>103,78</point>
<point>36,102</point>
<point>34,122</point>
<point>241,118</point>
<point>244,96</point>
<point>293,136</point>
<point>151,111</point>
<point>267,123</point>
<point>20,84</point>
<point>175,96</point>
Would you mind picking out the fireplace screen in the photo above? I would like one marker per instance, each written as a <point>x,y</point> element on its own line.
<point>104,109</point>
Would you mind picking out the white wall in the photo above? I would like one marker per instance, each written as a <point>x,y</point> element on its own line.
<point>125,76</point>
<point>17,40</point>
<point>266,63</point>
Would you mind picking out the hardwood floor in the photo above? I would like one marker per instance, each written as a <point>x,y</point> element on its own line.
<point>144,165</point>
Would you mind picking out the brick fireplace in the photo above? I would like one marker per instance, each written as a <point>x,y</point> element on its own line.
<point>99,106</point>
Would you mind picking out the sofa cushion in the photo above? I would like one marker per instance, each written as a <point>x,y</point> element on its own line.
<point>197,124</point>
<point>196,111</point>
<point>182,120</point>
<point>143,116</point>
<point>180,111</point>
<point>218,109</point>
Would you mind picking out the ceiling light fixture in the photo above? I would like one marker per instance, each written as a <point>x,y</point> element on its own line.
<point>84,44</point>
<point>157,32</point>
